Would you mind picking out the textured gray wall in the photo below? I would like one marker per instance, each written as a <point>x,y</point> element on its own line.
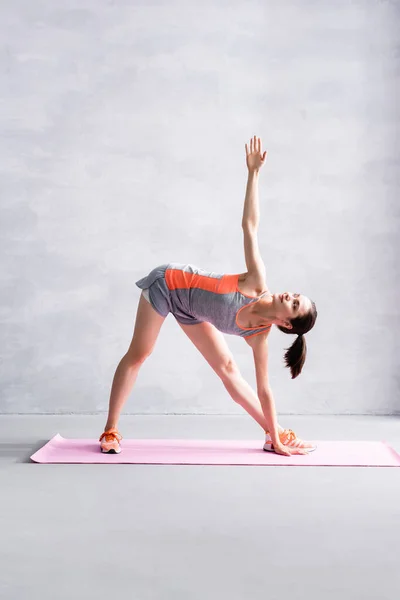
<point>122,132</point>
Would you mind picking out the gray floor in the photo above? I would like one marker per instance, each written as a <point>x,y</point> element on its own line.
<point>196,532</point>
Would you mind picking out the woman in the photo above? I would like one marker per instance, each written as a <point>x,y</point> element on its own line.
<point>205,304</point>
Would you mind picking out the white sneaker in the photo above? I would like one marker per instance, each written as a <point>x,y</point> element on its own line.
<point>110,440</point>
<point>288,438</point>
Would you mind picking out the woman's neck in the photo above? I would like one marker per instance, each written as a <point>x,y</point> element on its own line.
<point>263,310</point>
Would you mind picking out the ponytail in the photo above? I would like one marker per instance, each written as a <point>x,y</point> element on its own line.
<point>295,356</point>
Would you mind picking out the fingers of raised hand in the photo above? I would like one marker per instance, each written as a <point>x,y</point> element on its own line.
<point>255,144</point>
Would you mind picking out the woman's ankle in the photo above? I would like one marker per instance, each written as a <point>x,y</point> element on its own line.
<point>108,427</point>
<point>280,429</point>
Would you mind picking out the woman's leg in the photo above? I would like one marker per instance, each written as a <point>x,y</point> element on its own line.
<point>212,345</point>
<point>147,327</point>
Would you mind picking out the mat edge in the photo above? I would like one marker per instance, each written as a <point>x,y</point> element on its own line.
<point>38,452</point>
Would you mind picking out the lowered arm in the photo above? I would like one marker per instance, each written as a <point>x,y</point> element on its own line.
<point>259,345</point>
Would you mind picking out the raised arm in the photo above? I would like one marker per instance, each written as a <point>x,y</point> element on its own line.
<point>251,217</point>
<point>254,160</point>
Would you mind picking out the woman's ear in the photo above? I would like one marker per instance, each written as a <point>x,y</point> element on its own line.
<point>285,324</point>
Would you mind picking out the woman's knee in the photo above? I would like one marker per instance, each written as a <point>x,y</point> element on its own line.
<point>228,369</point>
<point>137,356</point>
<point>147,328</point>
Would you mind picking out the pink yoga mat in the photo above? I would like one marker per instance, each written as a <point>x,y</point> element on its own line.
<point>216,452</point>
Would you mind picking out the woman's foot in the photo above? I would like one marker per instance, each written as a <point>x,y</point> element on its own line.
<point>288,438</point>
<point>110,440</point>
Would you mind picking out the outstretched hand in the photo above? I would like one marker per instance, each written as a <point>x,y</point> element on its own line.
<point>286,451</point>
<point>255,158</point>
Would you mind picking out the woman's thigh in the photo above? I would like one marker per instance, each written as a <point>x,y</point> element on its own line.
<point>212,345</point>
<point>147,327</point>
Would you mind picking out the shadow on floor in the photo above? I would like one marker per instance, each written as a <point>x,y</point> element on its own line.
<point>21,451</point>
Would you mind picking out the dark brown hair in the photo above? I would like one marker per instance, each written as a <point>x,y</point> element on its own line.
<point>295,356</point>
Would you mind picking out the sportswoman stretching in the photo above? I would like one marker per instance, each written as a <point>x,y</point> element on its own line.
<point>205,304</point>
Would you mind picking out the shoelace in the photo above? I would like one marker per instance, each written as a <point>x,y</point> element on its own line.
<point>289,435</point>
<point>110,436</point>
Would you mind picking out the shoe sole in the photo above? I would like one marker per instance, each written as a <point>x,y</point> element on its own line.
<point>268,450</point>
<point>112,451</point>
<point>272,450</point>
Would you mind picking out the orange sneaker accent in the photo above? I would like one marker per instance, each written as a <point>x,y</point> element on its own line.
<point>288,438</point>
<point>110,441</point>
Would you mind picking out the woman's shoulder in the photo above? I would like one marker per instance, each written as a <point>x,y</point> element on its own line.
<point>258,340</point>
<point>251,286</point>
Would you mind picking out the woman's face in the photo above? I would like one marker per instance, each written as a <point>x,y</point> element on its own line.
<point>290,305</point>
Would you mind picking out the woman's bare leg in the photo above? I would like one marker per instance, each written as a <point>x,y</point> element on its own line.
<point>147,327</point>
<point>212,345</point>
<point>243,394</point>
<point>123,382</point>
